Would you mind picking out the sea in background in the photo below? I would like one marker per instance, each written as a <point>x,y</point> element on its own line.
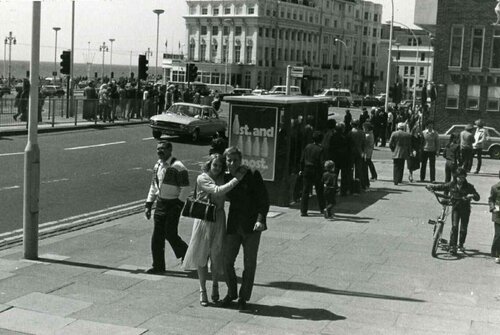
<point>19,69</point>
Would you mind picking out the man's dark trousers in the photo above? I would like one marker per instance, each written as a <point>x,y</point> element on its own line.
<point>495,247</point>
<point>466,154</point>
<point>232,243</point>
<point>459,216</point>
<point>431,156</point>
<point>398,169</point>
<point>311,176</point>
<point>166,221</point>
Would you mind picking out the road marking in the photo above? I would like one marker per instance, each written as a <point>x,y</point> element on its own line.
<point>136,168</point>
<point>12,154</point>
<point>95,145</point>
<point>10,187</point>
<point>55,181</point>
<point>147,138</point>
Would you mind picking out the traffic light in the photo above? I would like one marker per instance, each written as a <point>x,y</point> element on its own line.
<point>191,72</point>
<point>143,67</point>
<point>65,63</point>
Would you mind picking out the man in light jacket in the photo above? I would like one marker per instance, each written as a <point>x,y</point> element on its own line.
<point>429,152</point>
<point>400,144</point>
<point>478,145</point>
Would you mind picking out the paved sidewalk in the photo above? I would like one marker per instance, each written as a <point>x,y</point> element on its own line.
<point>368,271</point>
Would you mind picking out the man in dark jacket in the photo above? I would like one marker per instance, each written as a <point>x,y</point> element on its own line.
<point>494,202</point>
<point>461,193</point>
<point>311,169</point>
<point>249,204</point>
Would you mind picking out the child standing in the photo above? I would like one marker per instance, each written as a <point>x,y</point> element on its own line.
<point>330,187</point>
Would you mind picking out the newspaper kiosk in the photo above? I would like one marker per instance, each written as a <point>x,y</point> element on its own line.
<point>271,132</point>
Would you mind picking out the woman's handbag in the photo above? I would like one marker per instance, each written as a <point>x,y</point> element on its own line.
<point>199,209</point>
<point>414,163</point>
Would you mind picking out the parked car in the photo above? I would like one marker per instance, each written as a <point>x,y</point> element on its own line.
<point>237,92</point>
<point>491,144</point>
<point>259,91</point>
<point>281,89</point>
<point>340,102</point>
<point>370,101</point>
<point>336,92</point>
<point>185,119</point>
<point>52,91</point>
<point>381,97</point>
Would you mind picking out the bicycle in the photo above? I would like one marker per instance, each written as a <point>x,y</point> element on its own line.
<point>437,241</point>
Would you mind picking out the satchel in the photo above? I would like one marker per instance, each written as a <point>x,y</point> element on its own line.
<point>199,209</point>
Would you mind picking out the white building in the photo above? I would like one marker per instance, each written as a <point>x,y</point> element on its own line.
<point>251,42</point>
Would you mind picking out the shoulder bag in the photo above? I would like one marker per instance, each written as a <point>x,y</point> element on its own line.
<point>199,209</point>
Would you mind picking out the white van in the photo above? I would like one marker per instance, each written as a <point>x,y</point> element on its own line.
<point>281,89</point>
<point>336,92</point>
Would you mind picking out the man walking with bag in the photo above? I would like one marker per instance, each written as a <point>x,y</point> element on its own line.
<point>170,187</point>
<point>249,204</point>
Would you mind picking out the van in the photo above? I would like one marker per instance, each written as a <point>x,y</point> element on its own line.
<point>336,92</point>
<point>281,89</point>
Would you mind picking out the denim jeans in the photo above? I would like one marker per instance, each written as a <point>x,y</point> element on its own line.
<point>459,217</point>
<point>431,156</point>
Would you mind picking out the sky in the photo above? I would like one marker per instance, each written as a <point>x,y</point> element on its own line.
<point>131,23</point>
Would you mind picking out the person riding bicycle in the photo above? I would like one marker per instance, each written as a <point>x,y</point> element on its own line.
<point>461,193</point>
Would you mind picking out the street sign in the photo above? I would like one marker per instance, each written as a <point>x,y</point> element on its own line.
<point>297,71</point>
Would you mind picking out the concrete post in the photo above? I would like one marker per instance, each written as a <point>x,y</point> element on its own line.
<point>288,78</point>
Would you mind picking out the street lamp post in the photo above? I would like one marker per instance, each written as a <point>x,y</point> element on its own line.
<point>342,60</point>
<point>416,63</point>
<point>388,78</point>
<point>111,40</point>
<point>104,49</point>
<point>158,12</point>
<point>56,29</point>
<point>396,75</point>
<point>10,40</point>
<point>229,21</point>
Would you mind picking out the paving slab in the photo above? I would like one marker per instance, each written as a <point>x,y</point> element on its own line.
<point>433,323</point>
<point>24,321</point>
<point>82,327</point>
<point>200,323</point>
<point>251,329</point>
<point>48,303</point>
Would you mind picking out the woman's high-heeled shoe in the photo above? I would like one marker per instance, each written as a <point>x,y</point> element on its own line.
<point>215,293</point>
<point>203,298</point>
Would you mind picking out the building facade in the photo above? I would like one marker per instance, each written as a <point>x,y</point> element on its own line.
<point>249,43</point>
<point>467,60</point>
<point>412,59</point>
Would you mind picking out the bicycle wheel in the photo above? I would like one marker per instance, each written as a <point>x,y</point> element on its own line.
<point>437,236</point>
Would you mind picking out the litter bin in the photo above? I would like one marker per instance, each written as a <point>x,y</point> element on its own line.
<point>271,132</point>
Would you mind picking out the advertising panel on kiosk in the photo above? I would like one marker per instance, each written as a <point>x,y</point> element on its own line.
<point>253,129</point>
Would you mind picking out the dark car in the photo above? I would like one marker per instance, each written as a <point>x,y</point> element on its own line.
<point>4,89</point>
<point>340,102</point>
<point>370,101</point>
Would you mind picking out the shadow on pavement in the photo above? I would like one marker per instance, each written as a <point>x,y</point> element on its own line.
<point>349,218</point>
<point>476,253</point>
<point>277,311</point>
<point>297,286</point>
<point>185,274</point>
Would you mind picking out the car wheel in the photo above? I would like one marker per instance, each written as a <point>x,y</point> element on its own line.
<point>196,135</point>
<point>495,152</point>
<point>157,134</point>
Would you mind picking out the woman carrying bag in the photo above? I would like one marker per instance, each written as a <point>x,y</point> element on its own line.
<point>207,237</point>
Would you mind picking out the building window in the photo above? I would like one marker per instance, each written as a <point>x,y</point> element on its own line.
<point>215,78</point>
<point>191,51</point>
<point>412,71</point>
<point>285,58</point>
<point>375,17</point>
<point>215,11</point>
<point>260,31</point>
<point>452,92</point>
<point>267,32</point>
<point>364,49</point>
<point>406,70</point>
<point>495,50</point>
<point>204,10</point>
<point>203,30</point>
<point>422,56</point>
<point>250,10</point>
<point>203,52</point>
<point>280,34</point>
<point>365,31</point>
<point>249,54</point>
<point>374,50</point>
<point>381,75</point>
<point>367,15</point>
<point>237,31</point>
<point>215,30</point>
<point>237,53</point>
<point>224,53</point>
<point>457,39</point>
<point>493,98</point>
<point>374,32</point>
<point>473,92</point>
<point>215,48</point>
<point>476,55</point>
<point>248,79</point>
<point>421,71</point>
<point>279,53</point>
<point>227,10</point>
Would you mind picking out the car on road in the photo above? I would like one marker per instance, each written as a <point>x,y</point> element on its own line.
<point>236,92</point>
<point>491,144</point>
<point>52,91</point>
<point>381,97</point>
<point>259,91</point>
<point>340,102</point>
<point>4,89</point>
<point>187,120</point>
<point>336,92</point>
<point>368,101</point>
<point>281,89</point>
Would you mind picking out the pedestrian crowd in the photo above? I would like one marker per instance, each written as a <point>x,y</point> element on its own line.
<point>218,242</point>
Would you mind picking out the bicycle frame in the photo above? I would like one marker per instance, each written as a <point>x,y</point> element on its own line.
<point>438,224</point>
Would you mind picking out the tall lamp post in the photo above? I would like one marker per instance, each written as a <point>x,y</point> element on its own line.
<point>396,75</point>
<point>104,49</point>
<point>158,12</point>
<point>56,29</point>
<point>342,60</point>
<point>388,78</point>
<point>228,21</point>
<point>111,40</point>
<point>416,62</point>
<point>10,40</point>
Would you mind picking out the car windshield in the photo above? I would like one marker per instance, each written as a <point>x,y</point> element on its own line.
<point>494,132</point>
